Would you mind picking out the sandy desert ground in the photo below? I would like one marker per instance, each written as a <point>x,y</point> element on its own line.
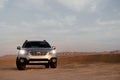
<point>71,66</point>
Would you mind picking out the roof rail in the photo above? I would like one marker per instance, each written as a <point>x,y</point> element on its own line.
<point>26,40</point>
<point>44,40</point>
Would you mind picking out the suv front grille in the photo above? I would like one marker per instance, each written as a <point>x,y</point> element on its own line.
<point>38,53</point>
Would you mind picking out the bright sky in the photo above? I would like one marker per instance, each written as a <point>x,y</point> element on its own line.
<point>70,25</point>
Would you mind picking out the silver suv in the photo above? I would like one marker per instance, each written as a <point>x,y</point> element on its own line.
<point>36,53</point>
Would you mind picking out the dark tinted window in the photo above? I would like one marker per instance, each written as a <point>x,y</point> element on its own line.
<point>35,44</point>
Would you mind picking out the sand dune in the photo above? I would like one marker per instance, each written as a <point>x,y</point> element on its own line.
<point>72,66</point>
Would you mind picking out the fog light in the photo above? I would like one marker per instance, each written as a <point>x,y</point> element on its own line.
<point>22,60</point>
<point>54,60</point>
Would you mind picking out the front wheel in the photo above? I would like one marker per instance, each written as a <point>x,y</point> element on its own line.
<point>20,65</point>
<point>53,63</point>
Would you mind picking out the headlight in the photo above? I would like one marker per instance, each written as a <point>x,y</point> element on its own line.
<point>22,52</point>
<point>53,52</point>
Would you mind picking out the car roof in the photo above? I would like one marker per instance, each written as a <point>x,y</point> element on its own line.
<point>36,41</point>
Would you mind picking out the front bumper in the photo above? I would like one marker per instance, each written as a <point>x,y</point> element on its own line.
<point>37,61</point>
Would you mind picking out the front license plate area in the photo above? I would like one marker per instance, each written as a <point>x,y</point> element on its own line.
<point>38,62</point>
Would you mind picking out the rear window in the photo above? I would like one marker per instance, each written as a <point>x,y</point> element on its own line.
<point>36,45</point>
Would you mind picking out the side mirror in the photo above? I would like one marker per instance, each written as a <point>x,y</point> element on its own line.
<point>18,48</point>
<point>54,47</point>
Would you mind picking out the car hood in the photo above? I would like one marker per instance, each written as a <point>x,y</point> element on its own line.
<point>37,49</point>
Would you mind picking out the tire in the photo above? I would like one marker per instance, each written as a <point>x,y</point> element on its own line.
<point>47,65</point>
<point>53,64</point>
<point>19,65</point>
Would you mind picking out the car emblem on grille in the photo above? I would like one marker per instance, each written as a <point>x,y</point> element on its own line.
<point>38,52</point>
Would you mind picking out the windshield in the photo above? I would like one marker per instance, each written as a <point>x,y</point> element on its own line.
<point>37,44</point>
